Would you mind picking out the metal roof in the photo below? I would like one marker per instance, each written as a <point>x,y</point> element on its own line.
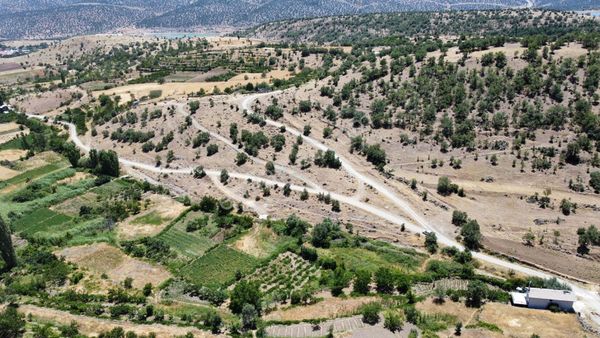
<point>549,294</point>
<point>518,298</point>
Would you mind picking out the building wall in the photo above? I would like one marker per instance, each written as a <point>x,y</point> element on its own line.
<point>536,303</point>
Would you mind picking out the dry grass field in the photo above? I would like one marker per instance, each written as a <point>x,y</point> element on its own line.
<point>160,210</point>
<point>105,259</point>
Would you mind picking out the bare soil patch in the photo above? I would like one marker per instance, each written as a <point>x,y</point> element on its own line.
<point>75,178</point>
<point>6,173</point>
<point>328,308</point>
<point>9,66</point>
<point>182,89</point>
<point>94,326</point>
<point>102,258</point>
<point>522,322</point>
<point>513,321</point>
<point>8,127</point>
<point>161,210</point>
<point>72,206</point>
<point>256,243</point>
<point>12,154</point>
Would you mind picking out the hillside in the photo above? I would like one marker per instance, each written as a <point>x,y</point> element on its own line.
<point>65,18</point>
<point>385,28</point>
<point>245,13</point>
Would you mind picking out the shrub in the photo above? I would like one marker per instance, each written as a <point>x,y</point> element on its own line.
<point>155,94</point>
<point>370,313</point>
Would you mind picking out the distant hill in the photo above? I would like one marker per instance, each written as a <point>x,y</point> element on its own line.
<point>250,12</point>
<point>62,18</point>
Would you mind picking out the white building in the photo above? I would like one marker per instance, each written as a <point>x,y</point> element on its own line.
<point>536,298</point>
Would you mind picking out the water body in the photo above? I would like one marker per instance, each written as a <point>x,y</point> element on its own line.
<point>183,35</point>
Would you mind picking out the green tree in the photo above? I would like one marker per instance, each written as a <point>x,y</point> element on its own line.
<point>249,317</point>
<point>270,168</point>
<point>194,106</point>
<point>362,281</point>
<point>323,233</point>
<point>431,242</point>
<point>224,177</point>
<point>476,293</point>
<point>384,280</point>
<point>6,248</point>
<point>595,181</point>
<point>11,323</point>
<point>244,293</point>
<point>471,235</point>
<point>71,153</point>
<point>445,186</point>
<point>107,163</point>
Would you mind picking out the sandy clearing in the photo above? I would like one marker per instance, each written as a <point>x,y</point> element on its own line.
<point>4,67</point>
<point>523,322</point>
<point>462,313</point>
<point>101,258</point>
<point>75,178</point>
<point>182,89</point>
<point>163,206</point>
<point>329,308</point>
<point>514,321</point>
<point>94,326</point>
<point>254,242</point>
<point>8,127</point>
<point>12,154</point>
<point>6,173</point>
<point>571,50</point>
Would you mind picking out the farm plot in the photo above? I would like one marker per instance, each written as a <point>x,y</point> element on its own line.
<point>102,258</point>
<point>260,242</point>
<point>187,244</point>
<point>218,267</point>
<point>284,274</point>
<point>161,210</point>
<point>43,220</point>
<point>12,154</point>
<point>372,258</point>
<point>29,175</point>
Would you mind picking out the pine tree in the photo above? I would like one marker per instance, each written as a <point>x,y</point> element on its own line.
<point>6,248</point>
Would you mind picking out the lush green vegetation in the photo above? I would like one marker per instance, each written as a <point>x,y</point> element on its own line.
<point>219,266</point>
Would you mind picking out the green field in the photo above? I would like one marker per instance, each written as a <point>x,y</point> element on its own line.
<point>31,174</point>
<point>15,143</point>
<point>188,244</point>
<point>218,267</point>
<point>373,259</point>
<point>42,220</point>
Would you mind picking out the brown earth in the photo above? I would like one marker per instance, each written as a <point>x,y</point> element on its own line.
<point>328,308</point>
<point>102,258</point>
<point>94,326</point>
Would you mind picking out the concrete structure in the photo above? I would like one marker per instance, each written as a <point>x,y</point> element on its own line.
<point>518,299</point>
<point>536,298</point>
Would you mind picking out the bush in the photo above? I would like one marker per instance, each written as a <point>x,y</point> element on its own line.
<point>445,186</point>
<point>155,94</point>
<point>392,321</point>
<point>595,181</point>
<point>370,313</point>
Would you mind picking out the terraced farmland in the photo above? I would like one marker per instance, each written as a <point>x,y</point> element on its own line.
<point>218,267</point>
